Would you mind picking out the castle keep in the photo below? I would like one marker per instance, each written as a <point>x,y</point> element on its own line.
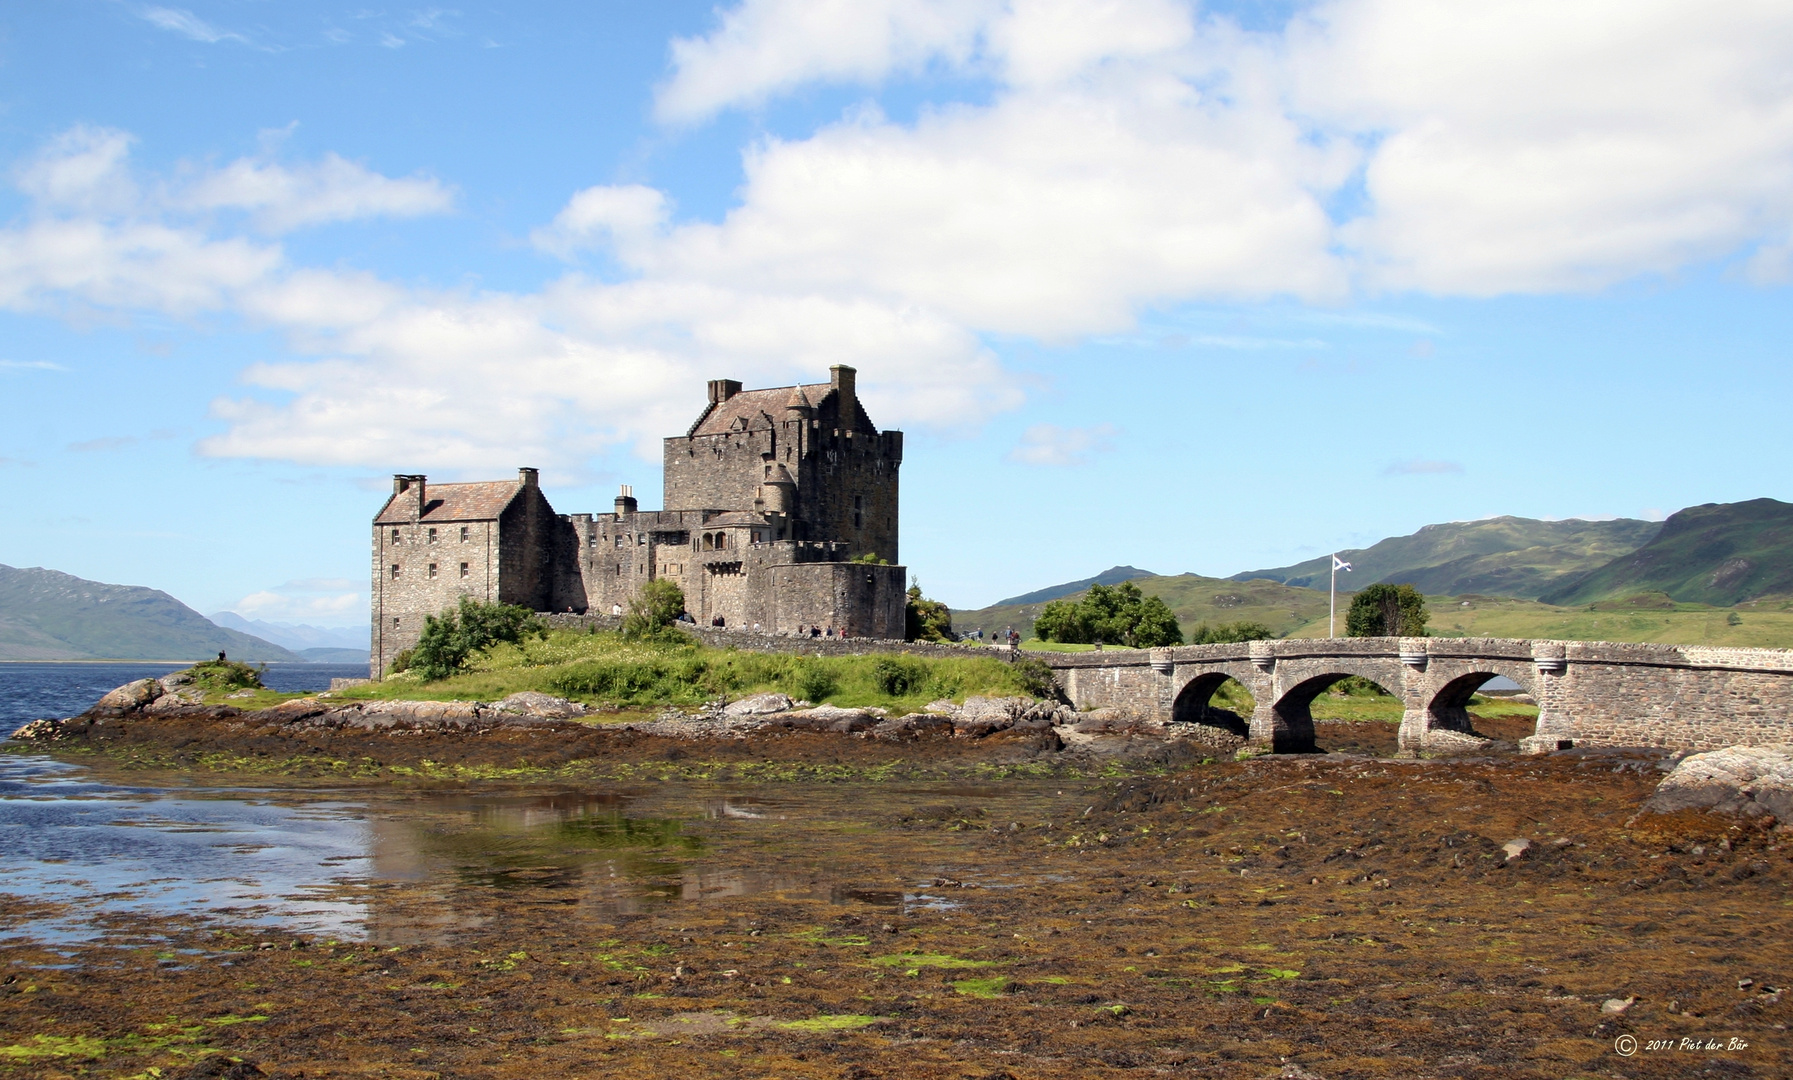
<point>769,494</point>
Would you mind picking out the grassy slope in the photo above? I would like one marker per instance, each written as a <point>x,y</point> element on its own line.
<point>1194,599</point>
<point>1766,625</point>
<point>604,670</point>
<point>1719,554</point>
<point>1506,556</point>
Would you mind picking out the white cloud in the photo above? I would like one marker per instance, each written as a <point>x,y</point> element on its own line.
<point>627,215</point>
<point>187,24</point>
<point>1123,156</point>
<point>284,198</point>
<point>1049,444</point>
<point>287,603</point>
<point>764,47</point>
<point>30,365</point>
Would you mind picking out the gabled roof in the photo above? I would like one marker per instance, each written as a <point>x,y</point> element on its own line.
<point>760,408</point>
<point>482,501</point>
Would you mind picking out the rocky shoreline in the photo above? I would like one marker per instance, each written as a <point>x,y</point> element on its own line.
<point>536,726</point>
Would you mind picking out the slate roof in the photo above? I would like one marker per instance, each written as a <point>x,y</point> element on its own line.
<point>482,501</point>
<point>761,408</point>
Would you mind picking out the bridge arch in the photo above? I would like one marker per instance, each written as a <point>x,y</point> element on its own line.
<point>1192,705</point>
<point>1453,683</point>
<point>1291,718</point>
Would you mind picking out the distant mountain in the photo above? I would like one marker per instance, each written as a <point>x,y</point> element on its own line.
<point>296,636</point>
<point>1193,598</point>
<point>1114,575</point>
<point>335,656</point>
<point>1719,554</point>
<point>49,615</point>
<point>1504,556</point>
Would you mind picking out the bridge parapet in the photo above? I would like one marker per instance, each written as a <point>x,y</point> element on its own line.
<point>1589,693</point>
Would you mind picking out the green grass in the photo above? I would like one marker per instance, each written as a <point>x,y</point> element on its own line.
<point>1193,598</point>
<point>1765,625</point>
<point>605,670</point>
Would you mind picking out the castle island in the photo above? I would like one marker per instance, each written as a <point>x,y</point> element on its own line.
<point>781,516</point>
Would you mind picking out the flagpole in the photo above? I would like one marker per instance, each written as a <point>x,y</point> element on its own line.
<point>1332,598</point>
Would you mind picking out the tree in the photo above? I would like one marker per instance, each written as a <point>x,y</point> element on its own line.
<point>1387,611</point>
<point>654,609</point>
<point>451,638</point>
<point>926,620</point>
<point>1224,633</point>
<point>1111,615</point>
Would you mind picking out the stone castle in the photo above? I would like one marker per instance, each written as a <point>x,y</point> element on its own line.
<point>769,496</point>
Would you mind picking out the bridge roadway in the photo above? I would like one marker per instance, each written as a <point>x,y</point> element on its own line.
<point>1589,693</point>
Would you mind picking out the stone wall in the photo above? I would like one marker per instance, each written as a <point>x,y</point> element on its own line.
<point>402,597</point>
<point>1589,693</point>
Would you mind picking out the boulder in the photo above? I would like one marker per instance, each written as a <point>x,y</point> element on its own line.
<point>130,697</point>
<point>830,718</point>
<point>913,726</point>
<point>1747,780</point>
<point>759,705</point>
<point>540,705</point>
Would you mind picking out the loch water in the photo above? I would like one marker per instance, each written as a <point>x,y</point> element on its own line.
<point>87,851</point>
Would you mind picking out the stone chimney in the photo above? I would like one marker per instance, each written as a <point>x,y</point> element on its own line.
<point>529,477</point>
<point>412,487</point>
<point>841,377</point>
<point>723,389</point>
<point>625,499</point>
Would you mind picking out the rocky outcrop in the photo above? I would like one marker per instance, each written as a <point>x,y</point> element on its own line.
<point>1745,780</point>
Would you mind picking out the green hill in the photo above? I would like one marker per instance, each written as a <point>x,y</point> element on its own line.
<point>1718,554</point>
<point>49,615</point>
<point>1194,599</point>
<point>1114,575</point>
<point>1505,556</point>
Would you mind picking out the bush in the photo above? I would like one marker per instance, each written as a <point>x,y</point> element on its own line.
<point>225,675</point>
<point>1387,611</point>
<point>814,683</point>
<point>401,662</point>
<point>450,638</point>
<point>926,620</point>
<point>654,609</point>
<point>1037,680</point>
<point>1110,615</point>
<point>899,676</point>
<point>1224,633</point>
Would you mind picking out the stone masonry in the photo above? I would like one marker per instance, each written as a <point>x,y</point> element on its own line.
<point>1589,693</point>
<point>769,495</point>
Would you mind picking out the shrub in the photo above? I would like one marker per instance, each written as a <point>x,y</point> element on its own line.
<point>1036,679</point>
<point>814,682</point>
<point>899,676</point>
<point>1387,611</point>
<point>450,638</point>
<point>654,609</point>
<point>1112,615</point>
<point>401,662</point>
<point>1224,633</point>
<point>926,620</point>
<point>225,675</point>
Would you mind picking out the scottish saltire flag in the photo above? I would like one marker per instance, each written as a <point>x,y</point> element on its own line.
<point>1340,564</point>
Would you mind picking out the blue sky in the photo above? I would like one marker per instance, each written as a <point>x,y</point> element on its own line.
<point>1192,287</point>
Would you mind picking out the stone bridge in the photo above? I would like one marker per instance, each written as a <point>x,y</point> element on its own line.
<point>1589,693</point>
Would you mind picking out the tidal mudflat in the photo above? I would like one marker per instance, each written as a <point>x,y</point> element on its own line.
<point>922,910</point>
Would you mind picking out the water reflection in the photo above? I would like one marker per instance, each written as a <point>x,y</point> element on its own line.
<point>403,868</point>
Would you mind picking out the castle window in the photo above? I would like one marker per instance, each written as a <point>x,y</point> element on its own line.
<point>858,507</point>
<point>619,539</point>
<point>432,536</point>
<point>395,570</point>
<point>463,569</point>
<point>395,622</point>
<point>463,534</point>
<point>432,569</point>
<point>395,536</point>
